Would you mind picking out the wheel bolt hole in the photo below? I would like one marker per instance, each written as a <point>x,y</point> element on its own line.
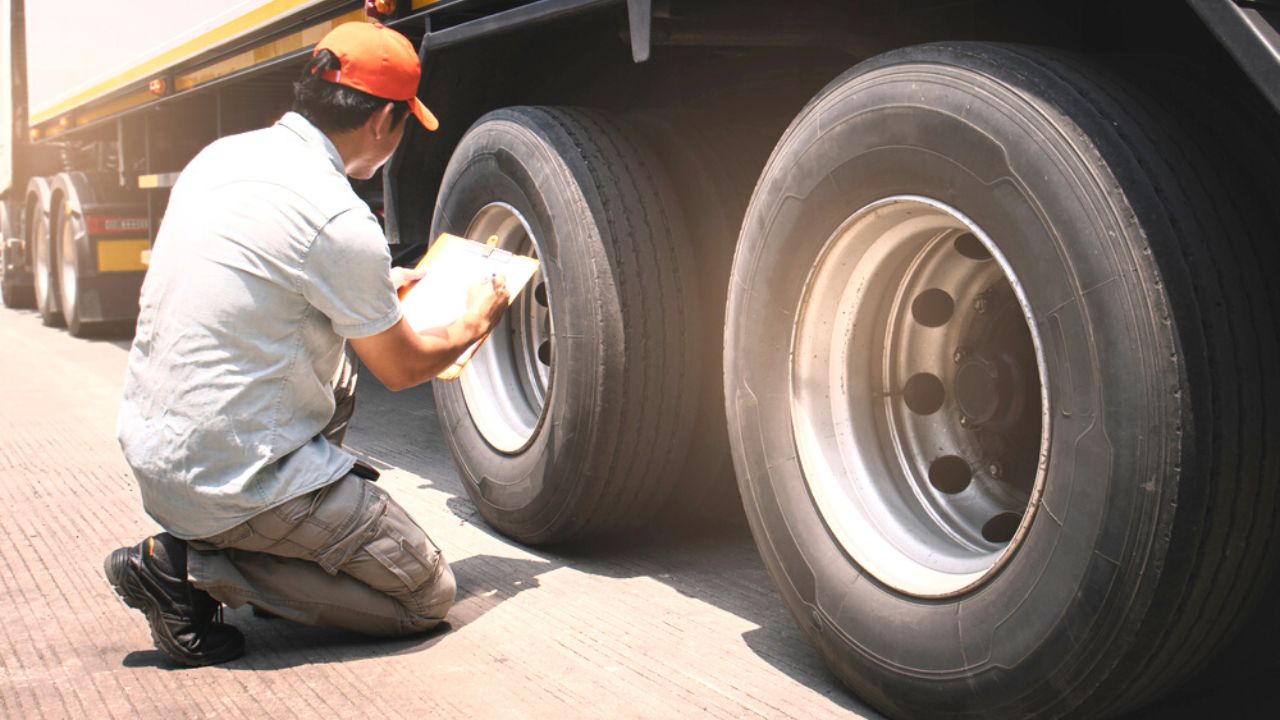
<point>950,474</point>
<point>1000,529</point>
<point>540,294</point>
<point>544,352</point>
<point>923,393</point>
<point>932,308</point>
<point>972,248</point>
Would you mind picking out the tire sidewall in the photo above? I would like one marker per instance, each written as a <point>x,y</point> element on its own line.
<point>43,250</point>
<point>1031,189</point>
<point>6,286</point>
<point>61,217</point>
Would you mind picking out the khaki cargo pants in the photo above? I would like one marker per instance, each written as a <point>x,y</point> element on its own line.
<point>346,555</point>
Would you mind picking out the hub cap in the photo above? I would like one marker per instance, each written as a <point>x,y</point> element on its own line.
<point>506,384</point>
<point>917,397</point>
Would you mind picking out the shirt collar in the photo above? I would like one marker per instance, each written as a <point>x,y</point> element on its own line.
<point>312,135</point>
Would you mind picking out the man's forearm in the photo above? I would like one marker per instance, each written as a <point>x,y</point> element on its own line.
<point>401,358</point>
<point>440,347</point>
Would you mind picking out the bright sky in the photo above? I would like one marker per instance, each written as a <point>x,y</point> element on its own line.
<point>74,44</point>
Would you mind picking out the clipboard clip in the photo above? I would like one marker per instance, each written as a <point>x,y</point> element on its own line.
<point>491,249</point>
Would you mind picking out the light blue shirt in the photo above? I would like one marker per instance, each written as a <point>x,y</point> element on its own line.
<point>265,261</point>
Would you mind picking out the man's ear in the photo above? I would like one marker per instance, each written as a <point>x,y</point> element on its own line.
<point>383,121</point>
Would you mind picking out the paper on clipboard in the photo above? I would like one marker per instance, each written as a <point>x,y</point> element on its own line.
<point>453,265</point>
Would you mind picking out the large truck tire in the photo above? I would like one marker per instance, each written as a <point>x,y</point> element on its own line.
<point>714,166</point>
<point>706,496</point>
<point>70,240</point>
<point>43,255</point>
<point>998,386</point>
<point>1226,119</point>
<point>86,308</point>
<point>574,417</point>
<point>15,285</point>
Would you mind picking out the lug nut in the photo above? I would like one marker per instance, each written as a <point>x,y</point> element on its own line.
<point>980,304</point>
<point>959,355</point>
<point>995,470</point>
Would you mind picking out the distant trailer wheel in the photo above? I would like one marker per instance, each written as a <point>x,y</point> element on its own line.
<point>43,253</point>
<point>70,238</point>
<point>15,278</point>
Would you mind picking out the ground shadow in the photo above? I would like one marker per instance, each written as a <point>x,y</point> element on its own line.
<point>275,644</point>
<point>118,333</point>
<point>712,562</point>
<point>484,582</point>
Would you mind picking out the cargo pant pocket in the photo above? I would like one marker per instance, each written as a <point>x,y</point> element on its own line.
<point>239,535</point>
<point>412,563</point>
<point>424,583</point>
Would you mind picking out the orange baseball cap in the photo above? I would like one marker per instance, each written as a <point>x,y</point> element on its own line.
<point>379,61</point>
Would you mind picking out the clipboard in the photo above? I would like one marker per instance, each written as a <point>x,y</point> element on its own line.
<point>453,264</point>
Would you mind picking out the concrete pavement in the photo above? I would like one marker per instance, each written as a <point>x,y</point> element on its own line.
<point>656,626</point>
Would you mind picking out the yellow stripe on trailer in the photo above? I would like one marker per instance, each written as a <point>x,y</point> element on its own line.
<point>121,104</point>
<point>272,50</point>
<point>123,255</point>
<point>246,23</point>
<point>250,21</point>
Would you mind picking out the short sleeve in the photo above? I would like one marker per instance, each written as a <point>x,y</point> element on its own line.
<point>347,276</point>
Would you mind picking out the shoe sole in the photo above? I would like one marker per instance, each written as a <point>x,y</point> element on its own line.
<point>115,567</point>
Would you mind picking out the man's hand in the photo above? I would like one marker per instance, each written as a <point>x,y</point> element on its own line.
<point>486,302</point>
<point>402,277</point>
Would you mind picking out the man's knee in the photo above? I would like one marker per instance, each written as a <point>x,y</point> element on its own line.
<point>433,600</point>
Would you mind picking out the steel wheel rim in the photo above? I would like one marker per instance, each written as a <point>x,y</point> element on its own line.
<point>507,382</point>
<point>928,484</point>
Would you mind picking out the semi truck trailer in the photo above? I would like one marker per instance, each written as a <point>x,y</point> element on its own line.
<point>969,305</point>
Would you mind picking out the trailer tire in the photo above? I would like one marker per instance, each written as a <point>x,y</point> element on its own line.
<point>576,422</point>
<point>40,243</point>
<point>69,238</point>
<point>1139,514</point>
<point>13,294</point>
<point>706,496</point>
<point>17,297</point>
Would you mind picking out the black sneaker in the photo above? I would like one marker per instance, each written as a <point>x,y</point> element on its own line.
<point>152,577</point>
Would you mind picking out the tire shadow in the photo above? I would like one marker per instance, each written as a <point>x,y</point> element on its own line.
<point>713,561</point>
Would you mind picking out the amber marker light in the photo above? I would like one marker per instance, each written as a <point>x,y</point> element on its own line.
<point>380,9</point>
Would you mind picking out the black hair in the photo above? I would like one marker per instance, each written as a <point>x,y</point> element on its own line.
<point>337,108</point>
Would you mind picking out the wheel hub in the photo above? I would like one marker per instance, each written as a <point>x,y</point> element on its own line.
<point>918,397</point>
<point>507,383</point>
<point>978,390</point>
